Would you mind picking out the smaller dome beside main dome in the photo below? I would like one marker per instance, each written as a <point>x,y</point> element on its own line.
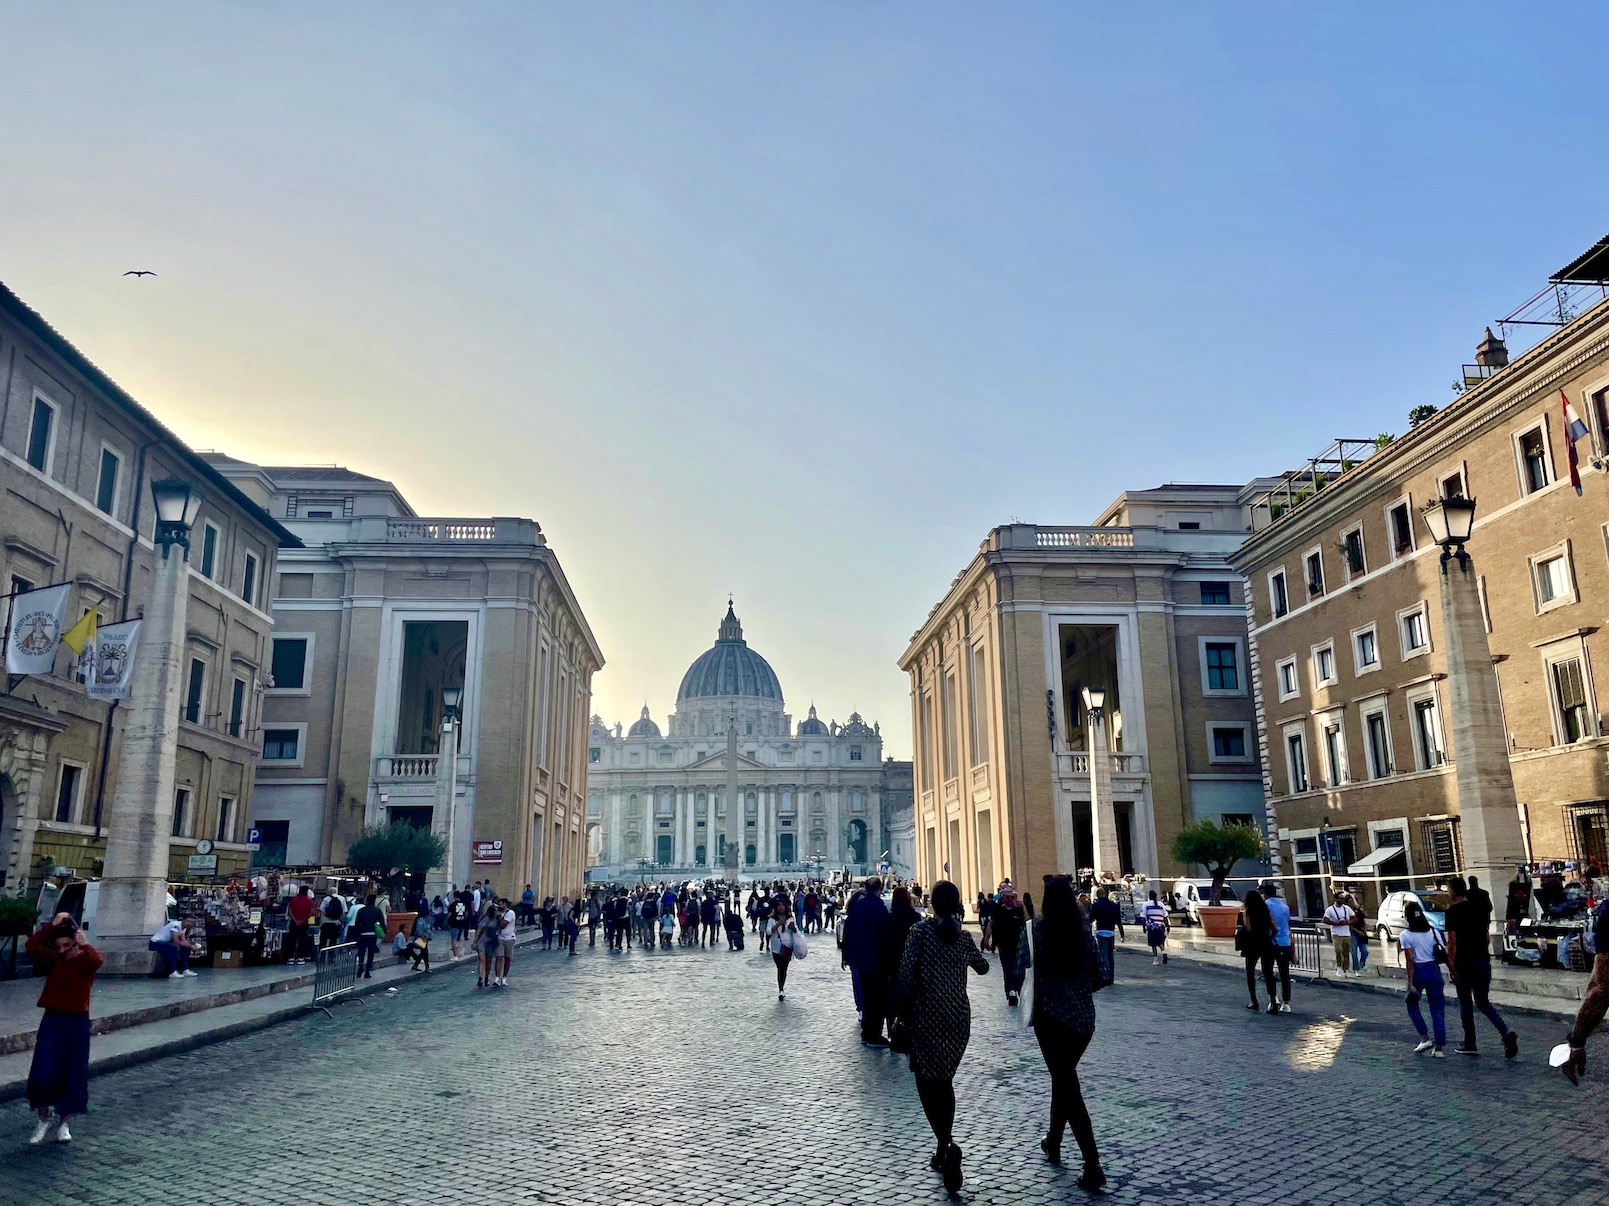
<point>812,726</point>
<point>645,727</point>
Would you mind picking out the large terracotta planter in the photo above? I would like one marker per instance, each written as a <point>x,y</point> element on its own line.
<point>402,923</point>
<point>1218,921</point>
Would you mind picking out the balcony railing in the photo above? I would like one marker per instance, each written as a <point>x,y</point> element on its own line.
<point>1076,763</point>
<point>376,529</point>
<point>1084,538</point>
<point>406,766</point>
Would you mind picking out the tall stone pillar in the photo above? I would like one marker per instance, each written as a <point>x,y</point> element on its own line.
<point>734,807</point>
<point>134,888</point>
<point>1489,817</point>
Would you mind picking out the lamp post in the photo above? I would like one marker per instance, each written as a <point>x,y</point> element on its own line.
<point>444,816</point>
<point>1489,817</point>
<point>1103,819</point>
<point>134,888</point>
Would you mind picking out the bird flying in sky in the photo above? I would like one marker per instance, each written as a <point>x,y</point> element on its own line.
<point>139,272</point>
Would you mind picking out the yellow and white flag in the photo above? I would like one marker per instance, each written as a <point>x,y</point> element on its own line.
<point>81,635</point>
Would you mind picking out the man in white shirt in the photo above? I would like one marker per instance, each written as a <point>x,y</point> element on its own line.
<point>172,946</point>
<point>1339,918</point>
<point>505,947</point>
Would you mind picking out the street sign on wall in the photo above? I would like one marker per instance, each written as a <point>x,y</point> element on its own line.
<point>489,853</point>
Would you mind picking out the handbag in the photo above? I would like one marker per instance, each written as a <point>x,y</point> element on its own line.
<point>1240,934</point>
<point>899,1038</point>
<point>800,950</point>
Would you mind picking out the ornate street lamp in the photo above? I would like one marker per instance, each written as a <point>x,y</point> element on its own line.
<point>1095,702</point>
<point>451,697</point>
<point>1451,520</point>
<point>177,504</point>
<point>444,817</point>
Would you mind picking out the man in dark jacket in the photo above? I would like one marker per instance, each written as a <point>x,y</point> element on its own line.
<point>864,926</point>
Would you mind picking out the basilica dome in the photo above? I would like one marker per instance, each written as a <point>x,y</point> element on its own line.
<point>645,727</point>
<point>730,668</point>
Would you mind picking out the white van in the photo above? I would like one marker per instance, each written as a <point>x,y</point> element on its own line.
<point>1188,894</point>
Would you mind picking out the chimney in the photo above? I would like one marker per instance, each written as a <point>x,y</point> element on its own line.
<point>1492,352</point>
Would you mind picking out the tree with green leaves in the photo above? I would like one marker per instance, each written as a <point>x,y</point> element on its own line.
<point>392,852</point>
<point>1218,848</point>
<point>1419,414</point>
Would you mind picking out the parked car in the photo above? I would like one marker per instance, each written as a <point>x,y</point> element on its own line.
<point>1187,894</point>
<point>1391,918</point>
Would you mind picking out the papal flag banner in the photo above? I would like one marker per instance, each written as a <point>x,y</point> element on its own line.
<point>114,657</point>
<point>35,628</point>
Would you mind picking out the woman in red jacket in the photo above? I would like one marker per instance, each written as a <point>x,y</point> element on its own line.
<point>58,1079</point>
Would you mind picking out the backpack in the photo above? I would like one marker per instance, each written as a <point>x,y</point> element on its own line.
<point>332,909</point>
<point>458,912</point>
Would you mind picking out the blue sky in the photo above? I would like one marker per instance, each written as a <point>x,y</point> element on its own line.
<point>798,300</point>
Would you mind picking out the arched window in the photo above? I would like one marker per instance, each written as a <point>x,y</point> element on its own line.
<point>664,804</point>
<point>634,807</point>
<point>858,802</point>
<point>703,804</point>
<point>815,803</point>
<point>751,806</point>
<point>787,801</point>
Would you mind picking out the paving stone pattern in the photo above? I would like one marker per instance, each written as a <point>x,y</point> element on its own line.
<point>678,1078</point>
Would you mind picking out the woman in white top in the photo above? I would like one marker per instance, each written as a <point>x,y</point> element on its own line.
<point>781,933</point>
<point>1419,944</point>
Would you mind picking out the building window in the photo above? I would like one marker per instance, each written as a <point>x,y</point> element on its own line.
<point>1377,739</point>
<point>1290,684</point>
<point>1570,700</point>
<point>1366,650</point>
<point>977,695</point>
<point>1415,626</point>
<point>1230,742</point>
<point>209,549</point>
<point>1221,660</point>
<point>1324,665</point>
<point>1296,760</point>
<point>1334,745</point>
<point>1352,548</point>
<point>1399,519</point>
<point>1189,525</point>
<point>42,436</point>
<point>106,483</point>
<point>1443,846</point>
<point>194,689</point>
<point>1551,577</point>
<point>237,707</point>
<point>181,812</point>
<point>69,787</point>
<point>1531,447</point>
<point>1453,485</point>
<point>666,757</point>
<point>1314,563</point>
<point>947,702</point>
<point>855,753</point>
<point>281,745</point>
<point>248,581</point>
<point>1215,594</point>
<point>594,755</point>
<point>288,663</point>
<point>1429,752</point>
<point>226,819</point>
<point>1278,597</point>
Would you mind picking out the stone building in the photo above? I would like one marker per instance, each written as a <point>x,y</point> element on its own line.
<point>811,796</point>
<point>77,459</point>
<point>899,817</point>
<point>1142,604</point>
<point>1349,655</point>
<point>379,613</point>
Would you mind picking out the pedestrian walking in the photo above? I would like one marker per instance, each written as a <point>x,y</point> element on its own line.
<point>1154,917</point>
<point>332,915</point>
<point>594,915</point>
<point>173,948</point>
<point>1360,935</point>
<point>1339,918</point>
<point>549,914</point>
<point>934,1006</point>
<point>783,941</point>
<point>1469,961</point>
<point>1254,935</point>
<point>419,948</point>
<point>862,953</point>
<point>572,926</point>
<point>1009,925</point>
<point>58,1076</point>
<point>902,917</point>
<point>458,922</point>
<point>298,940</point>
<point>1279,950</point>
<point>1424,952</point>
<point>1067,975</point>
<point>506,919</point>
<point>367,927</point>
<point>1106,919</point>
<point>487,930</point>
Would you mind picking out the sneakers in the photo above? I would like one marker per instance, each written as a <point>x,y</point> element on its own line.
<point>1273,1008</point>
<point>176,975</point>
<point>46,1125</point>
<point>1164,957</point>
<point>782,996</point>
<point>1284,1006</point>
<point>63,1135</point>
<point>1438,1053</point>
<point>1424,1046</point>
<point>1011,998</point>
<point>1255,1007</point>
<point>1465,1050</point>
<point>191,973</point>
<point>1511,1045</point>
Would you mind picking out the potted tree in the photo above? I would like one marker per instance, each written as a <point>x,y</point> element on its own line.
<point>1218,848</point>
<point>390,854</point>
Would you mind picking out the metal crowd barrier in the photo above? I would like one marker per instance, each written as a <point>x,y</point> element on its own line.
<point>335,973</point>
<point>1307,951</point>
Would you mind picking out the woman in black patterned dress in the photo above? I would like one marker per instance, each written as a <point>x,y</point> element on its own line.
<point>933,1003</point>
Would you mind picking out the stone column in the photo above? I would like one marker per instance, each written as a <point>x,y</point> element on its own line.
<point>1103,818</point>
<point>134,888</point>
<point>1489,817</point>
<point>616,804</point>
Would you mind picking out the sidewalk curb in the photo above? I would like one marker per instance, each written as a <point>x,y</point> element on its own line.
<point>14,1087</point>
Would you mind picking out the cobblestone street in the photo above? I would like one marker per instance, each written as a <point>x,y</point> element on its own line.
<point>677,1077</point>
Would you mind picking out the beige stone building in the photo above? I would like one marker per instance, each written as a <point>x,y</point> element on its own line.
<point>377,614</point>
<point>77,458</point>
<point>1143,604</point>
<point>1348,652</point>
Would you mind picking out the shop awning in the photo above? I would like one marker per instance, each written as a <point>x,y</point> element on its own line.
<point>1371,863</point>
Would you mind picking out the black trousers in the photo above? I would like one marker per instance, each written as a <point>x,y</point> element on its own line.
<point>782,962</point>
<point>1276,956</point>
<point>1062,1049</point>
<point>938,1103</point>
<point>873,1003</point>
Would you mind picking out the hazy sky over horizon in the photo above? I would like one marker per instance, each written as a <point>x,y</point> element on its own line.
<point>792,301</point>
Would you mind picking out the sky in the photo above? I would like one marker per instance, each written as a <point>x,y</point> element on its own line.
<point>793,301</point>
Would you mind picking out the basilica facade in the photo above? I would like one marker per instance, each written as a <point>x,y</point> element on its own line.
<point>657,802</point>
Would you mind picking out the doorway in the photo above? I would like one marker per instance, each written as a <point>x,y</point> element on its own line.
<point>785,848</point>
<point>857,842</point>
<point>665,846</point>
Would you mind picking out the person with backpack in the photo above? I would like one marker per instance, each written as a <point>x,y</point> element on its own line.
<point>332,916</point>
<point>1423,950</point>
<point>1008,928</point>
<point>1106,919</point>
<point>1068,975</point>
<point>709,915</point>
<point>1469,961</point>
<point>457,922</point>
<point>1154,917</point>
<point>367,926</point>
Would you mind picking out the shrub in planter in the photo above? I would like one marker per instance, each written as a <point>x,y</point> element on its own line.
<point>1218,848</point>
